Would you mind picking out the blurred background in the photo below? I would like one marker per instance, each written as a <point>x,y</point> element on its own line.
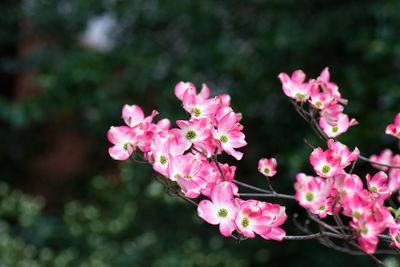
<point>67,67</point>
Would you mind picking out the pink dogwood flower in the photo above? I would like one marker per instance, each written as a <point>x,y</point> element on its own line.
<point>368,229</point>
<point>378,184</point>
<point>325,163</point>
<point>343,124</point>
<point>394,233</point>
<point>229,135</point>
<point>330,87</point>
<point>267,166</point>
<point>294,87</point>
<point>319,100</point>
<point>278,217</point>
<point>331,113</point>
<point>124,140</point>
<point>346,157</point>
<point>394,128</point>
<point>311,192</point>
<point>192,132</point>
<point>250,220</point>
<point>185,170</point>
<point>356,204</point>
<point>222,209</point>
<point>198,106</point>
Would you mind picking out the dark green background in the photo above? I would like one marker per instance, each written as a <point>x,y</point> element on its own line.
<point>115,214</point>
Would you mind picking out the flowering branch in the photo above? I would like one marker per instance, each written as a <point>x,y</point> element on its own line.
<point>185,162</point>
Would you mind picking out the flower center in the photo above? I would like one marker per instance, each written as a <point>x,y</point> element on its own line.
<point>309,196</point>
<point>323,207</point>
<point>318,104</point>
<point>196,112</point>
<point>126,145</point>
<point>245,222</point>
<point>266,170</point>
<point>189,177</point>
<point>222,213</point>
<point>223,139</point>
<point>335,129</point>
<point>163,159</point>
<point>326,169</point>
<point>191,135</point>
<point>365,230</point>
<point>301,96</point>
<point>373,188</point>
<point>356,215</point>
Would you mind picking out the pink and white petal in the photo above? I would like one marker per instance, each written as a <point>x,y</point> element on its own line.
<point>181,88</point>
<point>225,100</point>
<point>227,122</point>
<point>205,92</point>
<point>222,193</point>
<point>236,139</point>
<point>132,115</point>
<point>189,100</point>
<point>283,77</point>
<point>118,153</point>
<point>324,76</point>
<point>164,124</point>
<point>316,156</point>
<point>207,211</point>
<point>276,234</point>
<point>298,76</point>
<point>397,120</point>
<point>236,154</point>
<point>226,227</point>
<point>119,134</point>
<point>261,225</point>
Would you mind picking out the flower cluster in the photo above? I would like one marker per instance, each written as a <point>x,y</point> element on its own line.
<point>336,190</point>
<point>187,156</point>
<point>323,95</point>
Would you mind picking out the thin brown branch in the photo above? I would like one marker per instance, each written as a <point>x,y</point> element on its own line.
<point>378,163</point>
<point>266,193</point>
<point>272,194</point>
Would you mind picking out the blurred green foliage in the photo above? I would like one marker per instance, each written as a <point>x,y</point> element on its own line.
<point>125,219</point>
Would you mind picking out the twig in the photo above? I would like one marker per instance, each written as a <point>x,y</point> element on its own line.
<point>277,195</point>
<point>352,166</point>
<point>308,144</point>
<point>214,158</point>
<point>314,236</point>
<point>270,185</point>
<point>198,151</point>
<point>378,163</point>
